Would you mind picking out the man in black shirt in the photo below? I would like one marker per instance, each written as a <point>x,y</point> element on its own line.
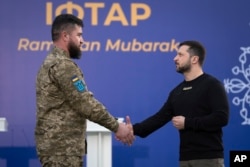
<point>198,108</point>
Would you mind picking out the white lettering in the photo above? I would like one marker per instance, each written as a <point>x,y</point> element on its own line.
<point>240,158</point>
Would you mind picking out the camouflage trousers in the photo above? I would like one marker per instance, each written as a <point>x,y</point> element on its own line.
<point>61,161</point>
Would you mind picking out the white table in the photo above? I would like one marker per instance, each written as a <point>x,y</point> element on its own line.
<point>3,124</point>
<point>99,149</point>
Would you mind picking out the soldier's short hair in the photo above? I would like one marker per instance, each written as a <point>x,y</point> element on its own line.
<point>64,22</point>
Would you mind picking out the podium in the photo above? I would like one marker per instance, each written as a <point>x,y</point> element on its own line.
<point>3,124</point>
<point>99,146</point>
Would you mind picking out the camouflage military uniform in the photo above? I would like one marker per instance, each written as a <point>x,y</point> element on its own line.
<point>61,161</point>
<point>63,105</point>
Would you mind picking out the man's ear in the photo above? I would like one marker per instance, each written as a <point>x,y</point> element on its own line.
<point>65,36</point>
<point>195,59</point>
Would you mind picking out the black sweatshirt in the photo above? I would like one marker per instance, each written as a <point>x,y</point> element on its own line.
<point>204,104</point>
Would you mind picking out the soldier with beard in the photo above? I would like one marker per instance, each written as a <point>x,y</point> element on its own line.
<point>198,108</point>
<point>64,101</point>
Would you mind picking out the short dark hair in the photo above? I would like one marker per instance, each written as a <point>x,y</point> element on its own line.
<point>64,22</point>
<point>195,48</point>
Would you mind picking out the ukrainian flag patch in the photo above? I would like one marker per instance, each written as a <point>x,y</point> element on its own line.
<point>79,85</point>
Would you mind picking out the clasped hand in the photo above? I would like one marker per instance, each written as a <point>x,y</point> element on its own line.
<point>179,122</point>
<point>125,132</point>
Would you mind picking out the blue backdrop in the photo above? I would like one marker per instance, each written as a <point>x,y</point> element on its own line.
<point>128,64</point>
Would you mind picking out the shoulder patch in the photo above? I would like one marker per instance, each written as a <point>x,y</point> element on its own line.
<point>79,85</point>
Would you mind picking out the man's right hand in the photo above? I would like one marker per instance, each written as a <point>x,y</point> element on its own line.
<point>125,132</point>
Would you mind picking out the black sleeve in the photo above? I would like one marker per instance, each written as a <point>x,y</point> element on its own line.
<point>154,122</point>
<point>218,102</point>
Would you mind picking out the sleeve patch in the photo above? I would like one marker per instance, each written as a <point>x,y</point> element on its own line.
<point>79,85</point>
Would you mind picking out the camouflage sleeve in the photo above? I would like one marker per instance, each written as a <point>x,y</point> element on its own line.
<point>69,78</point>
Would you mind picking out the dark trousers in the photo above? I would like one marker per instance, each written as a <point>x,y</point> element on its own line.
<point>218,162</point>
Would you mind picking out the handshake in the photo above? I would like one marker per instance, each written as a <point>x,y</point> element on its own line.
<point>125,132</point>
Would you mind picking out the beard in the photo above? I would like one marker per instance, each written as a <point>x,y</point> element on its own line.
<point>74,51</point>
<point>184,68</point>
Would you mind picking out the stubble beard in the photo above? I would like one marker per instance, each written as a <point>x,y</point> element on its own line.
<point>184,69</point>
